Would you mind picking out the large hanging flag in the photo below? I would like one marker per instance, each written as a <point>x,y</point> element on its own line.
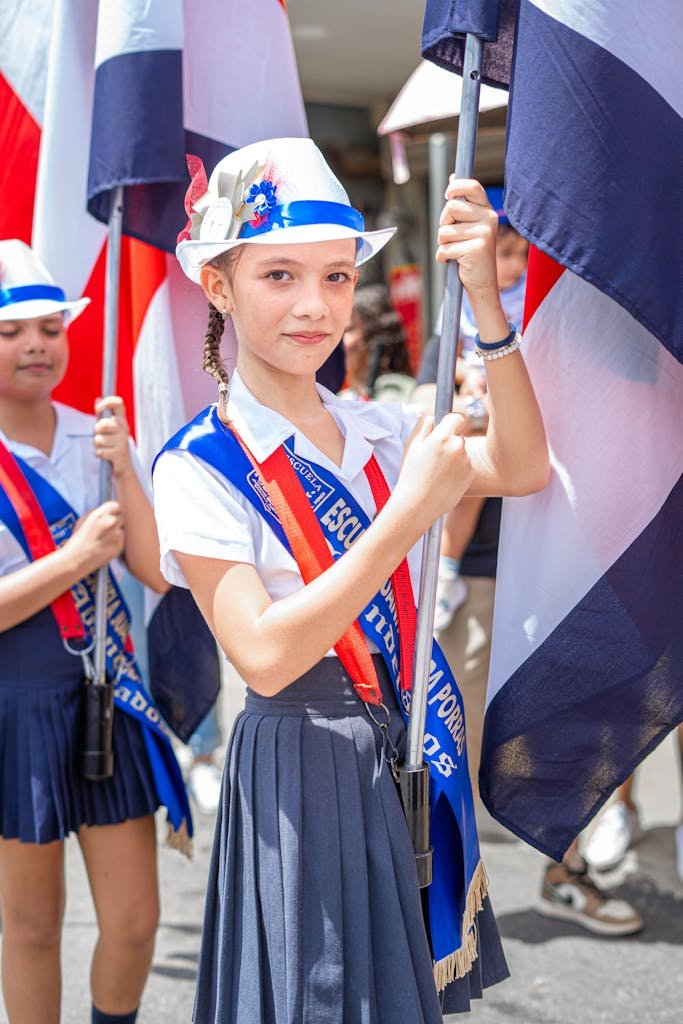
<point>99,95</point>
<point>587,660</point>
<point>131,88</point>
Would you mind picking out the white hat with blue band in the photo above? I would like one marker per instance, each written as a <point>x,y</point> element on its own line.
<point>273,192</point>
<point>27,290</point>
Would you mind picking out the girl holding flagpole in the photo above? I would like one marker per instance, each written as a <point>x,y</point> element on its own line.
<point>53,538</point>
<point>313,911</point>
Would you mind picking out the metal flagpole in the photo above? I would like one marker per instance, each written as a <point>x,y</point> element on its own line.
<point>414,773</point>
<point>97,758</point>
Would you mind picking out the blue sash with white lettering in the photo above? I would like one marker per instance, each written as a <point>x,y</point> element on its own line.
<point>459,880</point>
<point>129,693</point>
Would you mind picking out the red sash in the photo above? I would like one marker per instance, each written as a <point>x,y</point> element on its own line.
<point>312,555</point>
<point>39,539</point>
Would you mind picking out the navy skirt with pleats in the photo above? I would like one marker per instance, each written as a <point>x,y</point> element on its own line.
<point>42,795</point>
<point>313,912</point>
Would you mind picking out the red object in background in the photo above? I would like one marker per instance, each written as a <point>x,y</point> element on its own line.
<point>143,269</point>
<point>19,143</point>
<point>405,290</point>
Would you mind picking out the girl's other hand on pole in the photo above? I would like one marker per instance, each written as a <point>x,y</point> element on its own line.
<point>467,233</point>
<point>111,435</point>
<point>97,538</point>
<point>436,470</point>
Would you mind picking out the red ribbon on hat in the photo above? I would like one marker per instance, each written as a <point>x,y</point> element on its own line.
<point>198,187</point>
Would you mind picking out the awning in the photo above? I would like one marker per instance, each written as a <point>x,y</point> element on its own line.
<point>433,94</point>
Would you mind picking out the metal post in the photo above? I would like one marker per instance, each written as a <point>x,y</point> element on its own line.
<point>438,180</point>
<point>414,770</point>
<point>111,324</point>
<point>96,756</point>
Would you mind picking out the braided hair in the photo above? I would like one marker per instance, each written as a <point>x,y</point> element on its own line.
<point>213,363</point>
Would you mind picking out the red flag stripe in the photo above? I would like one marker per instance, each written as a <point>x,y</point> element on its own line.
<point>542,275</point>
<point>19,145</point>
<point>143,270</point>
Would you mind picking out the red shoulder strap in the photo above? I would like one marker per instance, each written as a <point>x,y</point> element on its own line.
<point>38,538</point>
<point>400,582</point>
<point>313,556</point>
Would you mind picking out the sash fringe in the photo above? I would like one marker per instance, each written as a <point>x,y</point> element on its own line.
<point>457,964</point>
<point>179,839</point>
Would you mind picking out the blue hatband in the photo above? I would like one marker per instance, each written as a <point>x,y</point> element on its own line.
<point>10,296</point>
<point>304,212</point>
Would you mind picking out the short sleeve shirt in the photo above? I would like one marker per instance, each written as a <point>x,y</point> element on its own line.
<point>199,512</point>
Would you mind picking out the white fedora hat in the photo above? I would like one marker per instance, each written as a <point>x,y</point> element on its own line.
<point>27,290</point>
<point>271,192</point>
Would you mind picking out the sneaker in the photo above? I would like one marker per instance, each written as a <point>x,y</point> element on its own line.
<point>574,896</point>
<point>617,829</point>
<point>451,593</point>
<point>204,785</point>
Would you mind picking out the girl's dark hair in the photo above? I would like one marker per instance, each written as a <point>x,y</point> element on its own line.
<point>383,331</point>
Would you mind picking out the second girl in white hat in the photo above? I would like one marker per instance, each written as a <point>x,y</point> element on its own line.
<point>50,457</point>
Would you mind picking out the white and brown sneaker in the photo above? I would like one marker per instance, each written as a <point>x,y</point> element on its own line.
<point>574,896</point>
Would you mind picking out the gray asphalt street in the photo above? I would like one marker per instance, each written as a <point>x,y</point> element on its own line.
<point>560,973</point>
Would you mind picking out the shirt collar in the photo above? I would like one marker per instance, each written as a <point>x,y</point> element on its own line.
<point>69,423</point>
<point>263,429</point>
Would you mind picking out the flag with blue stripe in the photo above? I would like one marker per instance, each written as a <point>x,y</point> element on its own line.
<point>183,76</point>
<point>586,672</point>
<point>174,77</point>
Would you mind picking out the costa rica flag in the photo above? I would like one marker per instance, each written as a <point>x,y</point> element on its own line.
<point>586,672</point>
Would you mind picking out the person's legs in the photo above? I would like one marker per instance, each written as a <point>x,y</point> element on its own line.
<point>207,736</point>
<point>459,526</point>
<point>122,869</point>
<point>467,646</point>
<point>32,906</point>
<point>625,793</point>
<point>451,591</point>
<point>616,830</point>
<point>204,778</point>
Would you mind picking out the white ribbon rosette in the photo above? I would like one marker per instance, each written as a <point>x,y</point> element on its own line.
<point>219,215</point>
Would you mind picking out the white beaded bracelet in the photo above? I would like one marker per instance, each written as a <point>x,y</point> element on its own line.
<point>498,353</point>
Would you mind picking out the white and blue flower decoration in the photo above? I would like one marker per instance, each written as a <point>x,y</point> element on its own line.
<point>263,196</point>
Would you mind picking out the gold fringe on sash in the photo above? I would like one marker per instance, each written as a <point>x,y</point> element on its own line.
<point>179,839</point>
<point>457,964</point>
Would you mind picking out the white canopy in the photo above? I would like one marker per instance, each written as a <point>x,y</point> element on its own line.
<point>433,94</point>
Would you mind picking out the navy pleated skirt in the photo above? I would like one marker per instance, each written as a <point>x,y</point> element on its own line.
<point>313,912</point>
<point>42,795</point>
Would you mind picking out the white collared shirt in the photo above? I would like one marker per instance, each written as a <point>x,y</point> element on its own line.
<point>72,468</point>
<point>199,512</point>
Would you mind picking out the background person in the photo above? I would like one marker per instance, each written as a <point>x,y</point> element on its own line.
<point>375,347</point>
<point>512,251</point>
<point>43,797</point>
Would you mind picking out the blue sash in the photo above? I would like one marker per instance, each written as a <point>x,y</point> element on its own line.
<point>129,693</point>
<point>459,881</point>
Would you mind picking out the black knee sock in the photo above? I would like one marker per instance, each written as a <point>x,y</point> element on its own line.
<point>113,1018</point>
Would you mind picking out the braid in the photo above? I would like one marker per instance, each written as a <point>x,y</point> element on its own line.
<point>213,363</point>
